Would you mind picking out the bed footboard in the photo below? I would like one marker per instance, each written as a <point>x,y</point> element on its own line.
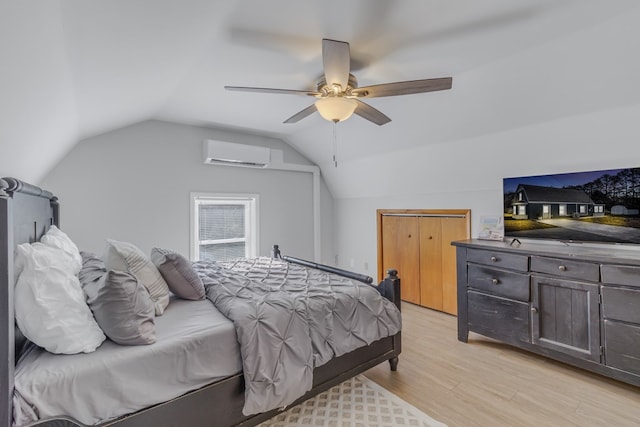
<point>388,288</point>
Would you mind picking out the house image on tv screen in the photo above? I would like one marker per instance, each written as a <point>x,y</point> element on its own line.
<point>538,202</point>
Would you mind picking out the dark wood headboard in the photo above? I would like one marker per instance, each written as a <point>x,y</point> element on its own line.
<point>26,212</point>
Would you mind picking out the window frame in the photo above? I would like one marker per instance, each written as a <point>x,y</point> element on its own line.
<point>562,210</point>
<point>251,203</point>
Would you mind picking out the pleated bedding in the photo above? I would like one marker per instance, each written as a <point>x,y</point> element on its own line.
<point>291,319</point>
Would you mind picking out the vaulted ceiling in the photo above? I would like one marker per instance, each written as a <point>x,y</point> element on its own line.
<point>71,69</point>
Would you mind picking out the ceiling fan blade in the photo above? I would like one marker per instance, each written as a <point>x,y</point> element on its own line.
<point>336,60</point>
<point>366,111</point>
<point>270,90</point>
<point>302,114</point>
<point>404,88</point>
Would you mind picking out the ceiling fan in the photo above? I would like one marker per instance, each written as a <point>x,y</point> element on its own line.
<point>337,92</point>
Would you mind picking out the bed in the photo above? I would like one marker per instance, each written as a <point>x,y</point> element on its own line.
<point>218,396</point>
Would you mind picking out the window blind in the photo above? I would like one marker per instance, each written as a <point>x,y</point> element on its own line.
<point>219,222</point>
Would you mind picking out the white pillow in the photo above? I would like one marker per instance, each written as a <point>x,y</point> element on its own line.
<point>123,256</point>
<point>50,305</point>
<point>59,239</point>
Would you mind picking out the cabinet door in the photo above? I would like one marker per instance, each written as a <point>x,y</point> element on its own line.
<point>400,250</point>
<point>438,279</point>
<point>431,262</point>
<point>565,316</point>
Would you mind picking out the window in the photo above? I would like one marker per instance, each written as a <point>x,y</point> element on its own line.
<point>522,210</point>
<point>562,210</point>
<point>223,226</point>
<point>583,209</point>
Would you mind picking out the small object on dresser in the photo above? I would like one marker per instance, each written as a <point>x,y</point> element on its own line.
<point>491,228</point>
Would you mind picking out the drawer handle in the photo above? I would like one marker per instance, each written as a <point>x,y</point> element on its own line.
<point>534,309</point>
<point>562,268</point>
<point>495,281</point>
<point>494,259</point>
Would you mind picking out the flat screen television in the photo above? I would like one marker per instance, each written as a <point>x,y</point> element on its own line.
<point>594,206</point>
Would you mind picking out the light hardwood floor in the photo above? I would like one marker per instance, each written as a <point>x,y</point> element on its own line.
<point>486,383</point>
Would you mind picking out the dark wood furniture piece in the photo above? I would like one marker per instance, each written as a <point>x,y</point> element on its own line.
<point>26,212</point>
<point>576,303</point>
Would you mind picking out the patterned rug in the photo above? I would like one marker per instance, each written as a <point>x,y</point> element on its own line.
<point>358,402</point>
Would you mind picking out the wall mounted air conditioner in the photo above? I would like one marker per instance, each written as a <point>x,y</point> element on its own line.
<point>233,154</point>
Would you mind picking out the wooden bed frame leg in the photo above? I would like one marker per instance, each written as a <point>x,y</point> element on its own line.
<point>393,363</point>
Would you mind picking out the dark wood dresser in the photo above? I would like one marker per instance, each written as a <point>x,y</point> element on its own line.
<point>576,303</point>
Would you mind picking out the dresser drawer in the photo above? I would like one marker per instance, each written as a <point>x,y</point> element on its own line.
<point>498,259</point>
<point>566,268</point>
<point>621,275</point>
<point>508,284</point>
<point>620,304</point>
<point>622,346</point>
<point>499,318</point>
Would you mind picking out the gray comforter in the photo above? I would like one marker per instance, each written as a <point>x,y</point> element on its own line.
<point>290,319</point>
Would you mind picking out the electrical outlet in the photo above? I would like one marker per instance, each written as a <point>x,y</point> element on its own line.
<point>366,266</point>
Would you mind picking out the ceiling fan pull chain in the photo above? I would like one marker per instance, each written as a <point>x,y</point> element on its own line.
<point>335,145</point>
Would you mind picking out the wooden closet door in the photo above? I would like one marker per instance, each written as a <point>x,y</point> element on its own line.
<point>417,242</point>
<point>431,262</point>
<point>400,249</point>
<point>452,229</point>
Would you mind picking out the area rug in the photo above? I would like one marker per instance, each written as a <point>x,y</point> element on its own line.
<point>358,402</point>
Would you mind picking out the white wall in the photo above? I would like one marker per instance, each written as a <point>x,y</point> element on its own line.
<point>36,83</point>
<point>133,184</point>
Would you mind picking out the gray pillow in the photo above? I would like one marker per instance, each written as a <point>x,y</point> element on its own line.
<point>120,304</point>
<point>177,271</point>
<point>124,256</point>
<point>92,270</point>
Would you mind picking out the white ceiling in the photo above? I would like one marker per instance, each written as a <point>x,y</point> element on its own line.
<point>71,69</point>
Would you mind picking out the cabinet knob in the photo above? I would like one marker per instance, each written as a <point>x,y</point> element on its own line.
<point>534,309</point>
<point>494,259</point>
<point>495,281</point>
<point>562,268</point>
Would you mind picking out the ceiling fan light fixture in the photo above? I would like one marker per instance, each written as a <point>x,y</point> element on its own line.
<point>337,93</point>
<point>336,108</point>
